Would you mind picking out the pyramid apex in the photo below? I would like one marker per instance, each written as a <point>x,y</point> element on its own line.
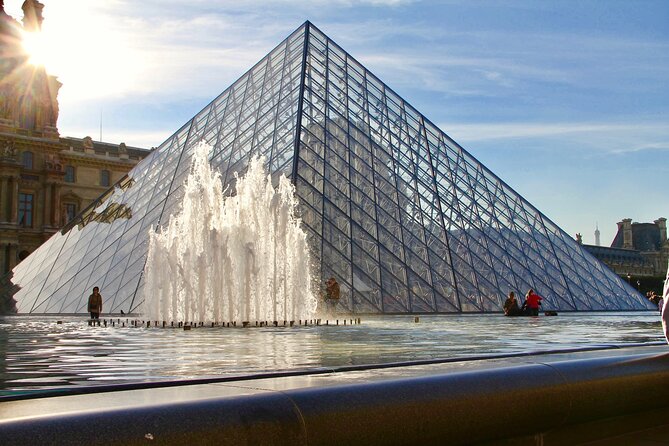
<point>307,26</point>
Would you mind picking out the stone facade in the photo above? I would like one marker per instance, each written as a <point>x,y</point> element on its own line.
<point>45,182</point>
<point>639,253</point>
<point>45,179</point>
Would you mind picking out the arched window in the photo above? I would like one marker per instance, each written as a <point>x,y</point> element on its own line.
<point>27,160</point>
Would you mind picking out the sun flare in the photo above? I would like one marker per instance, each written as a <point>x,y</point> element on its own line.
<point>91,53</point>
<point>35,45</point>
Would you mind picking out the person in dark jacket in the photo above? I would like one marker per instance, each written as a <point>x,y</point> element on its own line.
<point>95,303</point>
<point>511,305</point>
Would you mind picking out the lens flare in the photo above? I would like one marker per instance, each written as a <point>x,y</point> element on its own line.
<point>35,46</point>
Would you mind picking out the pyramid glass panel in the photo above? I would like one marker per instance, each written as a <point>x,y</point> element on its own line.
<point>405,219</point>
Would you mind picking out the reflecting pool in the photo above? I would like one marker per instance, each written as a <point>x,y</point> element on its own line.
<point>38,353</point>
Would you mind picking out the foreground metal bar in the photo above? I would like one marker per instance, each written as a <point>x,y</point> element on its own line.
<point>538,403</point>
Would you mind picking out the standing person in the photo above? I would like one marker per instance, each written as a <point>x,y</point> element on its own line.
<point>95,303</point>
<point>511,305</point>
<point>533,300</point>
<point>665,304</point>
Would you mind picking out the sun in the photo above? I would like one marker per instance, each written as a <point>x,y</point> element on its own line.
<point>91,52</point>
<point>37,48</point>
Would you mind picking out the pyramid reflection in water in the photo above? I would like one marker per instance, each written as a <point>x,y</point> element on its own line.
<point>402,216</point>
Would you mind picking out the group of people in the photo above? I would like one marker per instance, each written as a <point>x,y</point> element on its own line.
<point>529,308</point>
<point>511,308</point>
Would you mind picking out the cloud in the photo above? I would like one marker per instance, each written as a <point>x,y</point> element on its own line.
<point>169,51</point>
<point>489,62</point>
<point>151,47</point>
<point>613,138</point>
<point>649,146</point>
<point>297,3</point>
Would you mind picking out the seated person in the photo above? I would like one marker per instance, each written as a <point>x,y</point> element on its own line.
<point>655,299</point>
<point>511,305</point>
<point>533,301</point>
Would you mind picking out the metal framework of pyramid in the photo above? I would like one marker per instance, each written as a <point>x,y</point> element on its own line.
<point>402,216</point>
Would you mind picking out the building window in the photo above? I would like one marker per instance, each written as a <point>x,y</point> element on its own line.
<point>70,212</point>
<point>27,160</point>
<point>26,210</point>
<point>104,178</point>
<point>69,174</point>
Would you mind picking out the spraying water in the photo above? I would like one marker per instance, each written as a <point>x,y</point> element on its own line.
<point>238,258</point>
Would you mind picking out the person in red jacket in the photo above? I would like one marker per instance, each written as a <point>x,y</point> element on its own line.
<point>533,300</point>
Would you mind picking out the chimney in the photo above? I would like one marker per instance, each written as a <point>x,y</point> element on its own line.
<point>626,226</point>
<point>662,224</point>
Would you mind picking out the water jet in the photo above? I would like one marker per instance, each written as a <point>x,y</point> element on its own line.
<point>239,257</point>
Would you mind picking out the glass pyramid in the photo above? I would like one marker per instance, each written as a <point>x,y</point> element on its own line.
<point>402,216</point>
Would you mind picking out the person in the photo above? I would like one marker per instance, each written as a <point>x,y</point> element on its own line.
<point>95,303</point>
<point>665,311</point>
<point>533,300</point>
<point>331,293</point>
<point>511,305</point>
<point>655,299</point>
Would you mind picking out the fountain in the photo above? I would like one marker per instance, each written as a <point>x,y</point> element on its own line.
<point>236,258</point>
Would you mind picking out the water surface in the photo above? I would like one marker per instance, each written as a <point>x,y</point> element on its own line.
<point>38,353</point>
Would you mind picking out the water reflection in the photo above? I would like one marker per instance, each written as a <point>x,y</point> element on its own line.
<point>38,353</point>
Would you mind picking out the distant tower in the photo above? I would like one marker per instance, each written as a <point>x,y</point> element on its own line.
<point>597,243</point>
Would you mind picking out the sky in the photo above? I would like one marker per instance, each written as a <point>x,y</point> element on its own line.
<point>566,101</point>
